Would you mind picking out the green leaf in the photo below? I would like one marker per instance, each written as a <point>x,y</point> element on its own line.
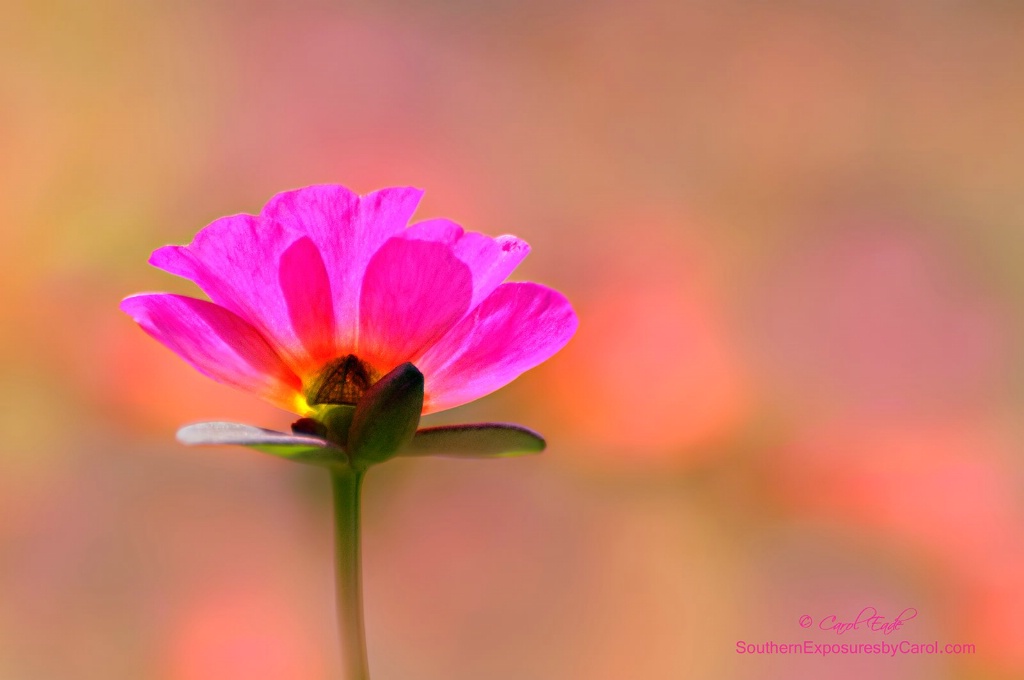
<point>301,448</point>
<point>481,440</point>
<point>386,416</point>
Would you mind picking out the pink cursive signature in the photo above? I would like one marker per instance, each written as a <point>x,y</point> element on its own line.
<point>868,619</point>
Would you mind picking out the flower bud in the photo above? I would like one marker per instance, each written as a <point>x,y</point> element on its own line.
<point>386,417</point>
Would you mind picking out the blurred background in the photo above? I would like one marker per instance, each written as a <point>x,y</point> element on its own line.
<point>793,232</point>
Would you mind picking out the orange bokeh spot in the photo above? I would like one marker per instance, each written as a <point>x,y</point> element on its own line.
<point>650,374</point>
<point>240,635</point>
<point>944,489</point>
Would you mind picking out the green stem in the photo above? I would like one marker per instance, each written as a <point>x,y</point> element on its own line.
<point>347,484</point>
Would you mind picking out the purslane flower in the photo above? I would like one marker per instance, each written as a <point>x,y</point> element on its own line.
<point>329,305</point>
<point>324,292</point>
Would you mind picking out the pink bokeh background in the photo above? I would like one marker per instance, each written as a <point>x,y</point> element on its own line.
<point>793,233</point>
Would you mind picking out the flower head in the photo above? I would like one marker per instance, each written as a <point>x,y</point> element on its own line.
<point>325,292</point>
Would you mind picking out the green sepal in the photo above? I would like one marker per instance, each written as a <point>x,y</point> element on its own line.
<point>336,420</point>
<point>302,448</point>
<point>386,417</point>
<point>481,440</point>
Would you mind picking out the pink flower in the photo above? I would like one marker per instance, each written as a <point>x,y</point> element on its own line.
<point>324,292</point>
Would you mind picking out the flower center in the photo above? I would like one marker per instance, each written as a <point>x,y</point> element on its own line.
<point>341,381</point>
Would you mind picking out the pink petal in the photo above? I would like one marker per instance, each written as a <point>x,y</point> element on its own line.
<point>413,293</point>
<point>517,327</point>
<point>347,230</point>
<point>491,260</point>
<point>305,285</point>
<point>269,275</point>
<point>217,342</point>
